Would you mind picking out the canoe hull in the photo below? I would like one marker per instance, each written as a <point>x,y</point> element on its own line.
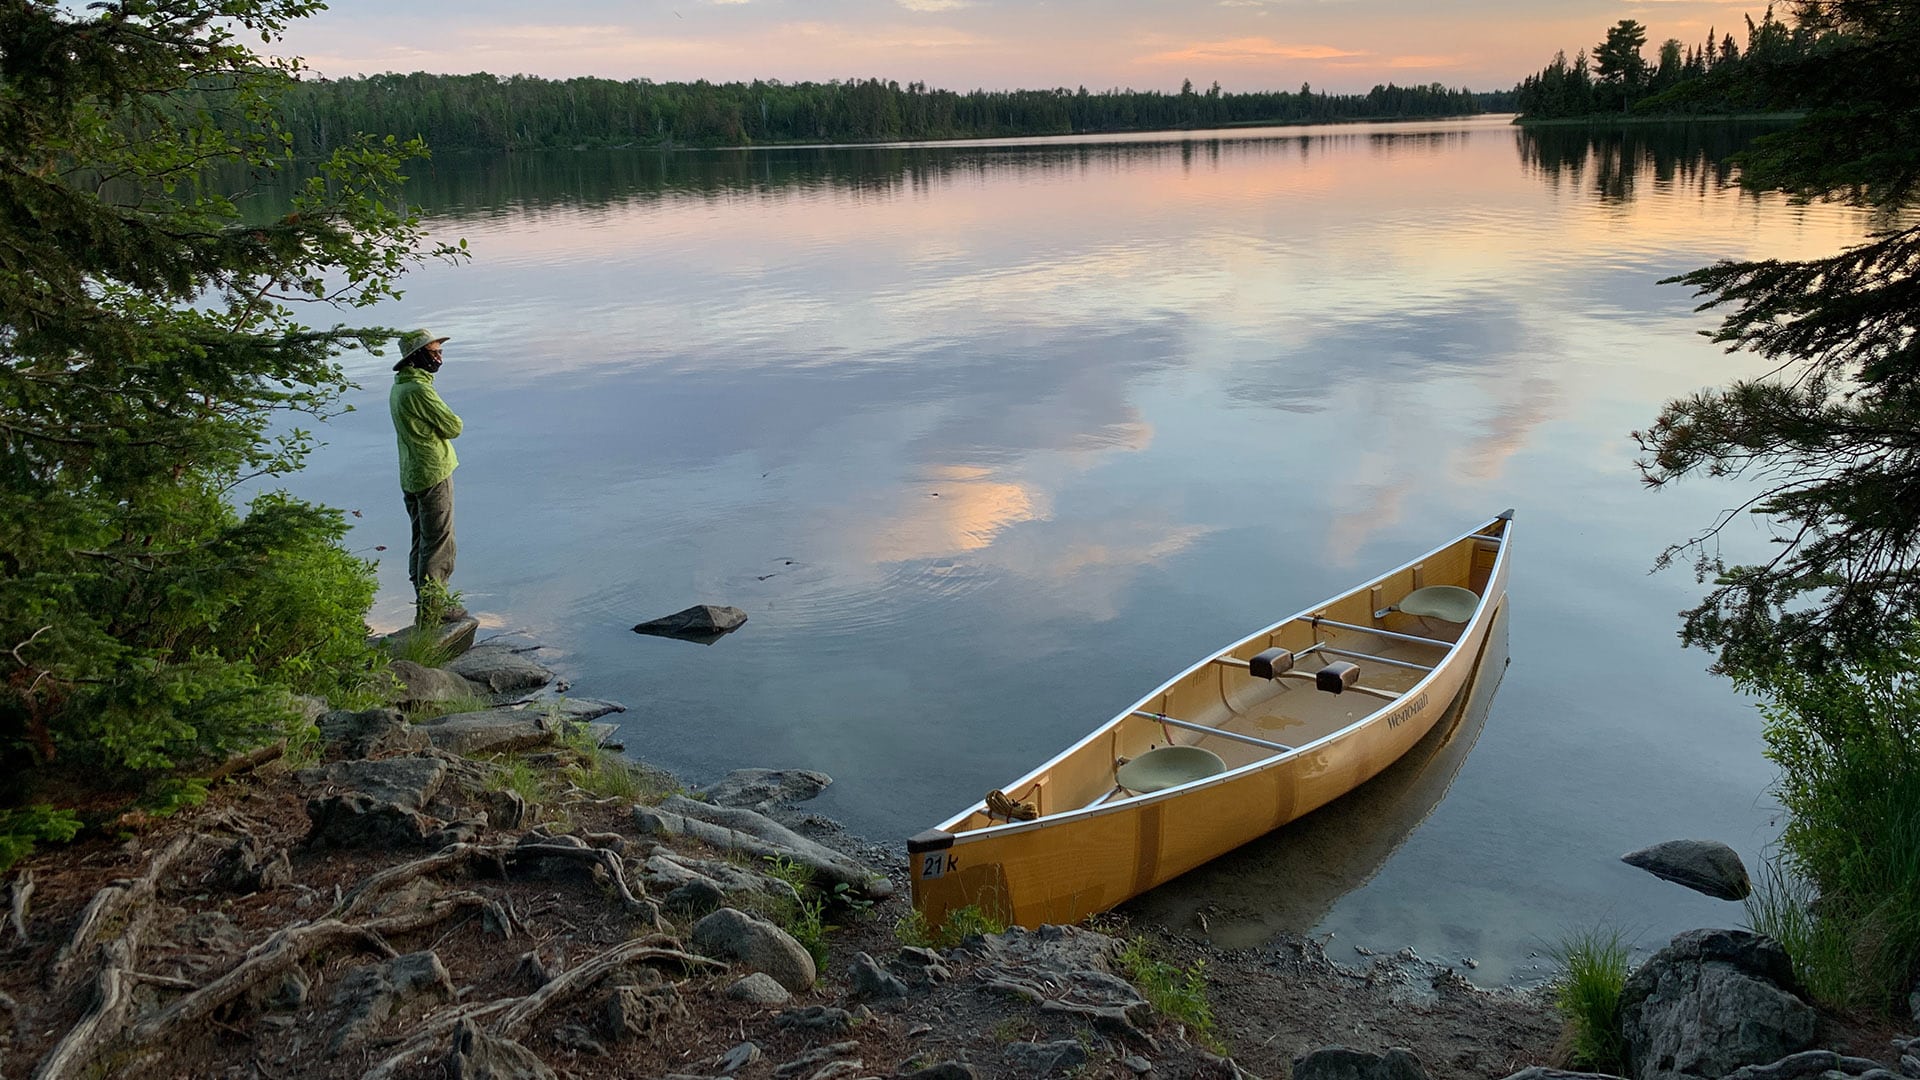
<point>1061,869</point>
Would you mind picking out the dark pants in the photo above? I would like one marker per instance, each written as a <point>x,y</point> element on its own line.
<point>431,514</point>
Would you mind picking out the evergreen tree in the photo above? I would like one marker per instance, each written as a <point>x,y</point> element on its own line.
<point>148,339</point>
<point>1834,430</point>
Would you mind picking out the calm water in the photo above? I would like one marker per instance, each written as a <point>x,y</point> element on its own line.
<point>988,439</point>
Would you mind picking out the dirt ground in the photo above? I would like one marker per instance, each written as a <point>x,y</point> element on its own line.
<point>1270,1004</point>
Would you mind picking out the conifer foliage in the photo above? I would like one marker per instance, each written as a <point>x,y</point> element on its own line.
<point>150,353</point>
<point>1833,431</point>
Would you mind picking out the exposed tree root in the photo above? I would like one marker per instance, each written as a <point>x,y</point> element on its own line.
<point>429,1037</point>
<point>22,893</point>
<point>514,1023</point>
<point>608,858</point>
<point>267,960</point>
<point>107,908</point>
<point>494,857</point>
<point>113,996</point>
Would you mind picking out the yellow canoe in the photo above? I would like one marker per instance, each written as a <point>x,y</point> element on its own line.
<point>1270,728</point>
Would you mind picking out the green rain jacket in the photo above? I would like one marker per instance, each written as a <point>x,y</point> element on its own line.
<point>424,425</point>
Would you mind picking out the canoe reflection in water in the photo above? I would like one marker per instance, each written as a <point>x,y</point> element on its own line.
<point>1288,880</point>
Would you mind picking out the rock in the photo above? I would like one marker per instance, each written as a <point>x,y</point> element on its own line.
<point>761,790</point>
<point>289,994</point>
<point>1541,1072</point>
<point>816,1018</point>
<point>252,865</point>
<point>1136,1064</point>
<point>1711,1002</point>
<point>477,1055</point>
<point>1037,1058</point>
<point>578,710</point>
<point>421,685</point>
<point>733,829</point>
<point>816,1056</point>
<point>694,898</point>
<point>407,782</point>
<point>1341,1063</point>
<point>490,731</point>
<point>632,1012</point>
<point>500,669</point>
<point>373,733</point>
<point>759,988</point>
<point>367,995</point>
<point>920,967</point>
<point>737,1058</point>
<point>357,820</point>
<point>871,981</point>
<point>1705,866</point>
<point>696,622</point>
<point>946,1070</point>
<point>579,1040</point>
<point>379,806</point>
<point>757,944</point>
<point>451,638</point>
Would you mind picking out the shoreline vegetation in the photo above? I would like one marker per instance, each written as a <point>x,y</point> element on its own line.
<point>487,113</point>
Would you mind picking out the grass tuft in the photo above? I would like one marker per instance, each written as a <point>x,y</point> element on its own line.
<point>1178,993</point>
<point>1587,993</point>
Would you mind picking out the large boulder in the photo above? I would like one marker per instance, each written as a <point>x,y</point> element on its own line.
<point>1709,1003</point>
<point>501,669</point>
<point>491,731</point>
<point>373,733</point>
<point>762,790</point>
<point>419,685</point>
<point>756,944</point>
<point>373,804</point>
<point>1705,866</point>
<point>1342,1063</point>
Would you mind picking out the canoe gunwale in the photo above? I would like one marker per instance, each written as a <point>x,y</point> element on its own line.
<point>1470,631</point>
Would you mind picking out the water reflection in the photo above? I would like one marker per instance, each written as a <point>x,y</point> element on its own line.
<point>1612,161</point>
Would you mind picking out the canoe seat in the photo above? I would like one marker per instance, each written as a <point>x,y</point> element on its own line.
<point>1449,603</point>
<point>1168,766</point>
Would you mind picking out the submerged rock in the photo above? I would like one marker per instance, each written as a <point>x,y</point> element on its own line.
<point>701,621</point>
<point>1705,866</point>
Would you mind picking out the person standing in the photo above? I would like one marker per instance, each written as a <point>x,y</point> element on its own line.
<point>425,428</point>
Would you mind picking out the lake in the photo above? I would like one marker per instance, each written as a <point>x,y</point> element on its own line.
<point>990,438</point>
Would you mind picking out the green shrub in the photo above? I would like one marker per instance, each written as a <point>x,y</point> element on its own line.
<point>1587,993</point>
<point>1845,890</point>
<point>21,829</point>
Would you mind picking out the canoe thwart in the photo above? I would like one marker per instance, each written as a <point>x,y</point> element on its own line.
<point>1414,639</point>
<point>1168,766</point>
<point>1222,732</point>
<point>1448,603</point>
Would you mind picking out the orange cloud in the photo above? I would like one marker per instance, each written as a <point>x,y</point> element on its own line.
<point>1247,50</point>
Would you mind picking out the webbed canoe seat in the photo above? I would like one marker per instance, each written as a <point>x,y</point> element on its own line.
<point>1168,766</point>
<point>1448,603</point>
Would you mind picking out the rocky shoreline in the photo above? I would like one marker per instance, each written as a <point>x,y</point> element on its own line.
<point>491,893</point>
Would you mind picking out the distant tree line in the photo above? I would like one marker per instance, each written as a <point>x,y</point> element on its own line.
<point>1713,76</point>
<point>522,112</point>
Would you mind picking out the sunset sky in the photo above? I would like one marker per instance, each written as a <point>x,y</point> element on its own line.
<point>1337,45</point>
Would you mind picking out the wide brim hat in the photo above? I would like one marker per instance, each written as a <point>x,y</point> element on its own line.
<point>413,341</point>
